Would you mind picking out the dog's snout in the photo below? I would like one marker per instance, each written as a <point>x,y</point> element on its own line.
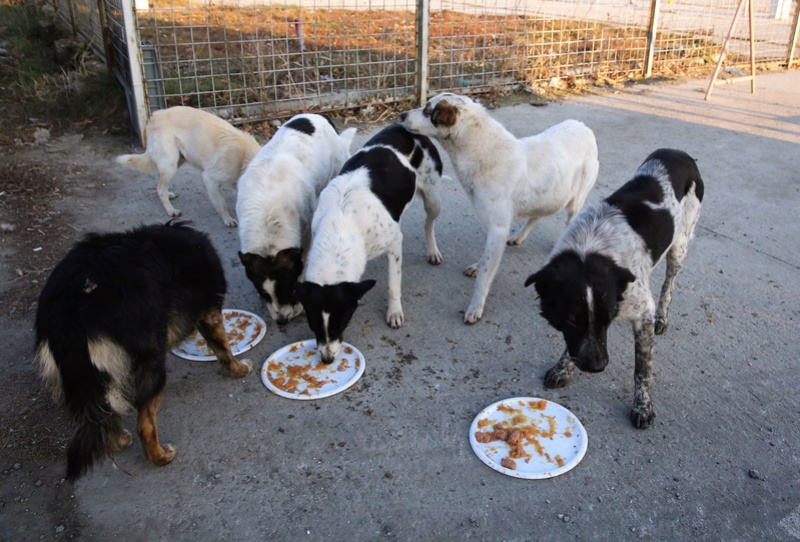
<point>591,357</point>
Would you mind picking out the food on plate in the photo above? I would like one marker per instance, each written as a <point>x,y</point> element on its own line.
<point>299,371</point>
<point>508,463</point>
<point>522,434</point>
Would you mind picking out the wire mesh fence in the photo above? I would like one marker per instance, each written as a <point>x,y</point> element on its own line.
<point>258,59</point>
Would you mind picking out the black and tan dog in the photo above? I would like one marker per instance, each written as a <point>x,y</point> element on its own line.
<point>600,270</point>
<point>107,316</point>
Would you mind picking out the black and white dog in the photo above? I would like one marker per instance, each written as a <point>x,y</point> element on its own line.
<point>600,270</point>
<point>107,316</point>
<point>358,219</point>
<point>276,199</point>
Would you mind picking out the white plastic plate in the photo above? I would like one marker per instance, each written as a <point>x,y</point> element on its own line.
<point>245,330</point>
<point>550,440</point>
<point>296,371</point>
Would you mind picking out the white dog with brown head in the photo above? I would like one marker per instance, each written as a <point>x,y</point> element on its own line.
<point>507,178</point>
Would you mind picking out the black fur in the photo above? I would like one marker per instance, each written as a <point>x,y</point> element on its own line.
<point>340,301</point>
<point>303,125</point>
<point>144,291</point>
<point>562,286</point>
<point>284,268</point>
<point>392,182</point>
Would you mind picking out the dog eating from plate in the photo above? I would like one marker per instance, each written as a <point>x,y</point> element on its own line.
<point>275,203</point>
<point>358,219</point>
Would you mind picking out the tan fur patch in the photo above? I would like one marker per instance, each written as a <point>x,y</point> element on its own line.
<point>112,359</point>
<point>49,372</point>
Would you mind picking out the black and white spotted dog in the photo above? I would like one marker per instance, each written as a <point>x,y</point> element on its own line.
<point>600,270</point>
<point>358,219</point>
<point>275,203</point>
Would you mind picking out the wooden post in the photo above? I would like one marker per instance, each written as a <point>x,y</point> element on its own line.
<point>752,76</point>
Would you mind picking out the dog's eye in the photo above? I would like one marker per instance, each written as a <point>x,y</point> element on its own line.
<point>427,111</point>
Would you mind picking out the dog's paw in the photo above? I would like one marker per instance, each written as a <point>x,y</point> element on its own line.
<point>472,316</point>
<point>395,319</point>
<point>123,439</point>
<point>555,378</point>
<point>230,222</point>
<point>513,242</point>
<point>660,326</point>
<point>642,416</point>
<point>435,258</point>
<point>171,195</point>
<point>175,213</point>
<point>243,368</point>
<point>472,271</point>
<point>164,456</point>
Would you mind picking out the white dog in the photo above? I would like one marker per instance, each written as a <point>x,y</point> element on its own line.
<point>358,219</point>
<point>209,143</point>
<point>507,178</point>
<point>276,199</point>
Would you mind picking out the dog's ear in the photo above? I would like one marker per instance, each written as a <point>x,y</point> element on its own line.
<point>444,114</point>
<point>358,289</point>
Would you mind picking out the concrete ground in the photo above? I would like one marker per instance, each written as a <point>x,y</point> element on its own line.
<point>390,458</point>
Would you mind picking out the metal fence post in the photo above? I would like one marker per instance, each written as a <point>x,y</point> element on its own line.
<point>652,29</point>
<point>423,39</point>
<point>793,36</point>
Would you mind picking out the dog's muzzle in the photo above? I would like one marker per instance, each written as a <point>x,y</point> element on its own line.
<point>591,357</point>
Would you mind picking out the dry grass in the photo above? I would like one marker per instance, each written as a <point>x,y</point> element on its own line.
<point>220,56</point>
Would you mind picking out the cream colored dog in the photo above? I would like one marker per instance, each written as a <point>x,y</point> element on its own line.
<point>507,177</point>
<point>184,134</point>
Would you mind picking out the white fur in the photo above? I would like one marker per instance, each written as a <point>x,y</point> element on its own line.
<point>205,141</point>
<point>350,227</point>
<point>278,192</point>
<point>509,178</point>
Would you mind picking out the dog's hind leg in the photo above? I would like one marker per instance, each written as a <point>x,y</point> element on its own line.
<point>518,237</point>
<point>560,374</point>
<point>675,258</point>
<point>213,181</point>
<point>147,426</point>
<point>643,414</point>
<point>394,313</point>
<point>167,162</point>
<point>212,327</point>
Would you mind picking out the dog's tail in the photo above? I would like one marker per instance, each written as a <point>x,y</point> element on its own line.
<point>85,391</point>
<point>139,162</point>
<point>91,441</point>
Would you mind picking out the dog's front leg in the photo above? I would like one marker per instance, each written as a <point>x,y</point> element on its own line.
<point>643,413</point>
<point>394,313</point>
<point>560,374</point>
<point>490,261</point>
<point>212,327</point>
